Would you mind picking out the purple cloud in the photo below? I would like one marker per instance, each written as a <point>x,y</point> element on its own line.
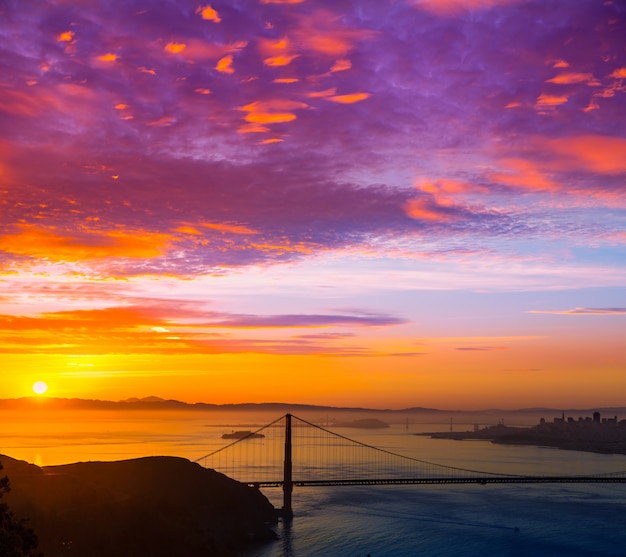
<point>150,120</point>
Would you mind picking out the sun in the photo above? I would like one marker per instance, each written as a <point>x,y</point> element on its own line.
<point>40,388</point>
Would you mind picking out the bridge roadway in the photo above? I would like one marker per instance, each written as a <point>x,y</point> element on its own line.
<point>435,481</point>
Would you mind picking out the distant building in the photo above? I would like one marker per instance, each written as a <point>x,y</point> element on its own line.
<point>582,422</point>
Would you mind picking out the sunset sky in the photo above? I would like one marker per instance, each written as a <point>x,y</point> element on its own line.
<point>382,203</point>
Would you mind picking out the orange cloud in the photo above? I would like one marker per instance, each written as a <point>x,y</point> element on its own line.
<point>190,230</point>
<point>109,57</point>
<point>443,190</point>
<point>560,64</point>
<point>175,48</point>
<point>287,247</point>
<point>597,153</point>
<point>121,330</point>
<point>223,227</point>
<point>548,101</point>
<point>167,327</point>
<point>341,65</point>
<point>65,37</point>
<point>442,194</point>
<point>273,47</point>
<point>197,50</point>
<point>50,244</point>
<point>252,128</point>
<point>349,99</point>
<point>286,80</point>
<point>282,60</point>
<point>422,209</point>
<point>230,228</point>
<point>451,8</point>
<point>277,52</point>
<point>163,121</point>
<point>6,173</point>
<point>330,45</point>
<point>273,104</point>
<point>323,32</point>
<point>620,73</point>
<point>547,158</point>
<point>224,64</point>
<point>270,117</point>
<point>523,173</point>
<point>22,103</point>
<point>573,77</point>
<point>74,101</point>
<point>208,13</point>
<point>322,94</point>
<point>271,112</point>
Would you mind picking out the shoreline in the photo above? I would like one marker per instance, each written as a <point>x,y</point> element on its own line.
<point>593,435</point>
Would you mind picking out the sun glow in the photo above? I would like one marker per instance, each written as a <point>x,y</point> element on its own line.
<point>40,388</point>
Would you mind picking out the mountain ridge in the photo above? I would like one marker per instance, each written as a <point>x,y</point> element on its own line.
<point>158,403</point>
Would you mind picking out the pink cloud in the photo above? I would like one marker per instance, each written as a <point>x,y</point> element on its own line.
<point>569,78</point>
<point>547,101</point>
<point>524,173</point>
<point>422,209</point>
<point>582,311</point>
<point>323,32</point>
<point>452,8</point>
<point>595,153</point>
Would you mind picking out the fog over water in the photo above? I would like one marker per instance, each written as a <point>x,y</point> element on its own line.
<point>467,520</point>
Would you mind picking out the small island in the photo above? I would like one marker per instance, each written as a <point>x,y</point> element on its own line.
<point>590,433</point>
<point>243,435</point>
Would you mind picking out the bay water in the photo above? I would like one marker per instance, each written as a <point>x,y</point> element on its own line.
<point>434,521</point>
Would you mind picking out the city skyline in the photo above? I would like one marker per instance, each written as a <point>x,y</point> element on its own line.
<point>396,204</point>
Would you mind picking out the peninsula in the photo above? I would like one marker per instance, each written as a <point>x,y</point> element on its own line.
<point>590,433</point>
<point>157,506</point>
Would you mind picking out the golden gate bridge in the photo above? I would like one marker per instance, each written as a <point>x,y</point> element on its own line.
<point>292,452</point>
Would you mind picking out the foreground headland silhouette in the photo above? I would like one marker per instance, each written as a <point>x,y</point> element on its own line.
<point>156,506</point>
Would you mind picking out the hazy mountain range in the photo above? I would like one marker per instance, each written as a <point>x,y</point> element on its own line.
<point>157,403</point>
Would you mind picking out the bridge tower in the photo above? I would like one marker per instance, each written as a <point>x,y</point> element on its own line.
<point>287,510</point>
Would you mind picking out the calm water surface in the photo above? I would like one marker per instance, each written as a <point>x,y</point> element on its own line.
<point>433,521</point>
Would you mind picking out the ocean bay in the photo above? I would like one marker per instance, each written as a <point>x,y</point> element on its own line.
<point>466,521</point>
<point>392,520</point>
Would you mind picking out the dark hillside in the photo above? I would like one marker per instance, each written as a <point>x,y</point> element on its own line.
<point>156,506</point>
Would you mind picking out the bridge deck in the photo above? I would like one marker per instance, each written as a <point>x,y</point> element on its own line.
<point>435,481</point>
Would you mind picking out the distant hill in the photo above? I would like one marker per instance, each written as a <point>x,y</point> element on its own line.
<point>157,403</point>
<point>367,423</point>
<point>153,506</point>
